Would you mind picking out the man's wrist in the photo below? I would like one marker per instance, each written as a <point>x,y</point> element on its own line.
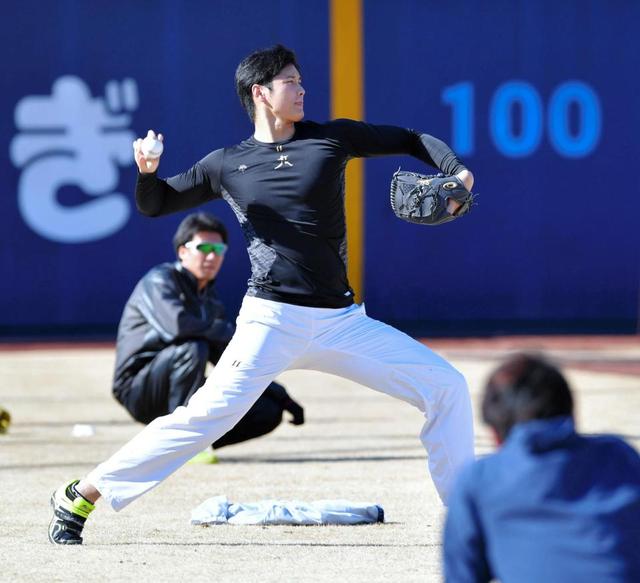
<point>466,178</point>
<point>145,175</point>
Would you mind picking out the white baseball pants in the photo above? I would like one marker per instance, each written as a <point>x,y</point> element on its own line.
<point>272,337</point>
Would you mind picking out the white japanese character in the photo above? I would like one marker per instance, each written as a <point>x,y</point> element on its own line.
<point>283,162</point>
<point>71,138</point>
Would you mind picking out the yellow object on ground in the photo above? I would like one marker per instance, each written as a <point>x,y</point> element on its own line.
<point>206,456</point>
<point>5,420</point>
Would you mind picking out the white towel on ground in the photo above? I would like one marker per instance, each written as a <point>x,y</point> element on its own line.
<point>218,510</point>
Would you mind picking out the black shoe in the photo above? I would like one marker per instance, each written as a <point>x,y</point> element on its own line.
<point>70,511</point>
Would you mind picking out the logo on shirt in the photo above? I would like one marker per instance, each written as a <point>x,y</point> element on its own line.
<point>242,167</point>
<point>283,162</point>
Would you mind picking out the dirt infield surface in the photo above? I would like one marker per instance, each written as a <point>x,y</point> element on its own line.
<point>357,444</point>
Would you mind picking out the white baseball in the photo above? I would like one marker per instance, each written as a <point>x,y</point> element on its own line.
<point>151,148</point>
<point>82,430</point>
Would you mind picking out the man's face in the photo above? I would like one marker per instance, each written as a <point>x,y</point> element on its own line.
<point>200,259</point>
<point>286,95</point>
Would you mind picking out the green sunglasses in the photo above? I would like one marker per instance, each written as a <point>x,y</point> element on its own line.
<point>206,248</point>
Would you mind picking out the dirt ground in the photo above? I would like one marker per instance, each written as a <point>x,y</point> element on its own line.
<point>356,444</point>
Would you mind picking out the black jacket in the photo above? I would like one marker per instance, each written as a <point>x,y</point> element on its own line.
<point>166,308</point>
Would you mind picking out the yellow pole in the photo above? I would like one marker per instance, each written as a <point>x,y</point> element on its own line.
<point>347,101</point>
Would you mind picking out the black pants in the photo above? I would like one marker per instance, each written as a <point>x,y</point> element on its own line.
<point>169,380</point>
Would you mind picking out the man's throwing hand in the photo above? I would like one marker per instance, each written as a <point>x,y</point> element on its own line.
<point>147,152</point>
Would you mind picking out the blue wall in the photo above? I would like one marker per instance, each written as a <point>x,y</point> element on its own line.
<point>538,96</point>
<point>554,242</point>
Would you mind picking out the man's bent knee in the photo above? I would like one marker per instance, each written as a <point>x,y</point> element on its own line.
<point>190,356</point>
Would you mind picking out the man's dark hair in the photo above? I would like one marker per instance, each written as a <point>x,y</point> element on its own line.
<point>523,388</point>
<point>195,222</point>
<point>259,68</point>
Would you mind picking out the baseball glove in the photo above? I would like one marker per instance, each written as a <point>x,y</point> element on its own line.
<point>423,199</point>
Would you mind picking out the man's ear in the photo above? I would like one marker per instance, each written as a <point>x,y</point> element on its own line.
<point>258,93</point>
<point>181,252</point>
<point>496,437</point>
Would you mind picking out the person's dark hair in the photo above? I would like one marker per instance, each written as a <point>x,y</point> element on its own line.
<point>259,68</point>
<point>195,222</point>
<point>523,388</point>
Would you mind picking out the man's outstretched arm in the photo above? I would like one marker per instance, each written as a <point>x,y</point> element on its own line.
<point>155,197</point>
<point>367,140</point>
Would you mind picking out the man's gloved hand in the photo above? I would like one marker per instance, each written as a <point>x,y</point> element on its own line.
<point>429,200</point>
<point>297,412</point>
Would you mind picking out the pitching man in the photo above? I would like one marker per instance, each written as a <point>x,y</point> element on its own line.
<point>285,184</point>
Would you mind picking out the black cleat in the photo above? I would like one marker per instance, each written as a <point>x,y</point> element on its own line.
<point>70,511</point>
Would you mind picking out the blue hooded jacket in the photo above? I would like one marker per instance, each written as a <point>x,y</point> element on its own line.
<point>549,506</point>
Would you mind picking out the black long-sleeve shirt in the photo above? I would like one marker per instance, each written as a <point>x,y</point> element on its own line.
<point>289,199</point>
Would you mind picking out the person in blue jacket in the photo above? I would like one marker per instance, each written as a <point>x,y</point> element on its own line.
<point>551,505</point>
